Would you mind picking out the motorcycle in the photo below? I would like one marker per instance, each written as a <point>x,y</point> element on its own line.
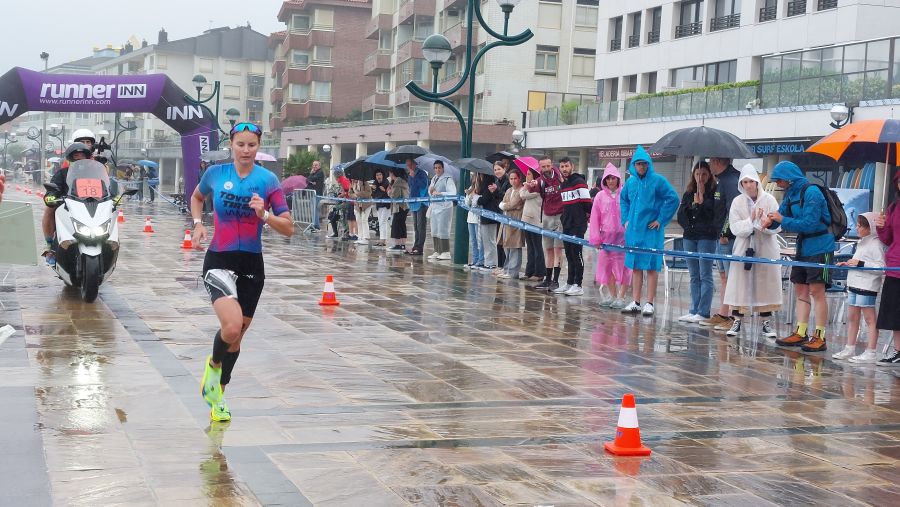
<point>87,237</point>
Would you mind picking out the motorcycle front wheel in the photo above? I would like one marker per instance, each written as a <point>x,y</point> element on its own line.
<point>90,279</point>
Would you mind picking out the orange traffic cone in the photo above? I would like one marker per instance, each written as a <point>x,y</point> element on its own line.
<point>18,188</point>
<point>329,298</point>
<point>628,434</point>
<point>121,217</point>
<point>186,244</point>
<point>148,225</point>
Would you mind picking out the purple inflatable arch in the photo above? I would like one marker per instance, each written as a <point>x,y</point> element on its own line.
<point>23,90</point>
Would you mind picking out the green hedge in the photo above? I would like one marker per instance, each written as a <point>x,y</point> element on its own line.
<point>724,86</point>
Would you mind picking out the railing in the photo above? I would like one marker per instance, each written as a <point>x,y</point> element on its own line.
<point>615,44</point>
<point>395,120</point>
<point>796,8</point>
<point>721,23</point>
<point>827,4</point>
<point>700,102</point>
<point>598,112</point>
<point>768,13</point>
<point>634,41</point>
<point>653,37</point>
<point>688,29</point>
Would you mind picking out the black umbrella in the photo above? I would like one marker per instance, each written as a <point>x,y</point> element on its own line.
<point>704,142</point>
<point>500,155</point>
<point>476,165</point>
<point>359,169</point>
<point>401,153</point>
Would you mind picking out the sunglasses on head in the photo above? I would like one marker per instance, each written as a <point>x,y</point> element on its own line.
<point>240,127</point>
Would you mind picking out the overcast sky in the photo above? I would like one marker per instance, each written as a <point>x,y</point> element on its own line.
<point>69,30</point>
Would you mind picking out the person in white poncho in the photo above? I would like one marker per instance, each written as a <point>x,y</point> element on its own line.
<point>753,287</point>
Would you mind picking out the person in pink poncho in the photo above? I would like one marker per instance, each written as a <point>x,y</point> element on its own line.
<point>606,227</point>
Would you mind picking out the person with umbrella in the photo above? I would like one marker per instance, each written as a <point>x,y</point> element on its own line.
<point>316,181</point>
<point>381,189</point>
<point>696,216</point>
<point>360,189</point>
<point>531,214</point>
<point>804,210</point>
<point>726,190</point>
<point>398,191</point>
<point>418,187</point>
<point>648,204</point>
<point>441,212</point>
<point>887,225</point>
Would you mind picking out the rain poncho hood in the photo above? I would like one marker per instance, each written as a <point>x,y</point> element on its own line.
<point>788,171</point>
<point>748,172</point>
<point>644,200</point>
<point>808,220</point>
<point>610,170</point>
<point>606,227</point>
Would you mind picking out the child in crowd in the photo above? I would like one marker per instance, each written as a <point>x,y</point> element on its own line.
<point>862,289</point>
<point>606,227</point>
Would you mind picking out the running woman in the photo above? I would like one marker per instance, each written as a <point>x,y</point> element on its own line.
<point>233,271</point>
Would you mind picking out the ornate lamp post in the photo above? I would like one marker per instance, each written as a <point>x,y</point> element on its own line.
<point>58,131</point>
<point>8,139</point>
<point>436,50</point>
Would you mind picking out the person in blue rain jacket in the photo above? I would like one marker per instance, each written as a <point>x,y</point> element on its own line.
<point>648,204</point>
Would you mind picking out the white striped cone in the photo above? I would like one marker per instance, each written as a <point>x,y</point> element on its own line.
<point>329,297</point>
<point>628,434</point>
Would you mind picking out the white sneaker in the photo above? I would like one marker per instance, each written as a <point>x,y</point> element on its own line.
<point>647,310</point>
<point>504,276</point>
<point>617,304</point>
<point>446,256</point>
<point>362,242</point>
<point>847,351</point>
<point>434,255</point>
<point>735,328</point>
<point>606,301</point>
<point>767,330</point>
<point>575,290</point>
<point>697,319</point>
<point>632,307</point>
<point>562,289</point>
<point>867,357</point>
<point>688,317</point>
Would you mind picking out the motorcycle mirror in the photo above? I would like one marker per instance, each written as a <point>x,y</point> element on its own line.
<point>130,192</point>
<point>51,187</point>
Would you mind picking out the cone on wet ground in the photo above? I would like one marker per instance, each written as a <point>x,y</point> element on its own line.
<point>186,243</point>
<point>329,298</point>
<point>121,217</point>
<point>148,225</point>
<point>628,434</point>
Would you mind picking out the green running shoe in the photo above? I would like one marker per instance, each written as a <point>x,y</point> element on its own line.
<point>220,412</point>
<point>210,386</point>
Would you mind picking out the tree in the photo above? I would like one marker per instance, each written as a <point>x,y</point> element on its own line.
<point>300,163</point>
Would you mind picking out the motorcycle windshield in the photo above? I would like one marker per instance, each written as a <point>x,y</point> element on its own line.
<point>88,179</point>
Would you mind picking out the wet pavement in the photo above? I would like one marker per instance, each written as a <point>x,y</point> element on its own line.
<point>427,386</point>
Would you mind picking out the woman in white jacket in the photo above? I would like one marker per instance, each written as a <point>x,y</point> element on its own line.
<point>441,212</point>
<point>862,289</point>
<point>753,287</point>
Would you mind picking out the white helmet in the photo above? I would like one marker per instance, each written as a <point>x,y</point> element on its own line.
<point>80,134</point>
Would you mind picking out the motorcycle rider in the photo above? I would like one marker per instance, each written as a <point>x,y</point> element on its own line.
<point>80,149</point>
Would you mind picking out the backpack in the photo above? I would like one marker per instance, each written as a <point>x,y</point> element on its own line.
<point>838,225</point>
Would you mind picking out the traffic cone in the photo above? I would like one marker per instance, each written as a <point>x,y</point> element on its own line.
<point>18,188</point>
<point>628,434</point>
<point>186,244</point>
<point>329,298</point>
<point>148,225</point>
<point>121,217</point>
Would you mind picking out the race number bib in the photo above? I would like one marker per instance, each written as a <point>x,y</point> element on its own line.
<point>88,187</point>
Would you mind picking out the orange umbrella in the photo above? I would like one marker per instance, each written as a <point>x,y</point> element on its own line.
<point>862,141</point>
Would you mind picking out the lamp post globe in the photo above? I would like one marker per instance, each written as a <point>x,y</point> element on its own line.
<point>326,148</point>
<point>508,5</point>
<point>840,113</point>
<point>437,50</point>
<point>232,114</point>
<point>199,82</point>
<point>518,136</point>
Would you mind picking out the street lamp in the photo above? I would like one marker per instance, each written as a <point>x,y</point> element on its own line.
<point>118,129</point>
<point>518,139</point>
<point>45,57</point>
<point>327,149</point>
<point>199,81</point>
<point>232,114</point>
<point>842,114</point>
<point>466,126</point>
<point>8,139</point>
<point>437,50</point>
<point>59,131</point>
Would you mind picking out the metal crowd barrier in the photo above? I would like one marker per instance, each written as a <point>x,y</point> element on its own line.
<point>303,208</point>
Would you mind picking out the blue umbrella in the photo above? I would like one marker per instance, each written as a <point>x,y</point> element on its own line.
<point>365,170</point>
<point>148,163</point>
<point>427,162</point>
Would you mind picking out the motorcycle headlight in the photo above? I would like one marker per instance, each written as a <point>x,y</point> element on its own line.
<point>81,229</point>
<point>97,231</point>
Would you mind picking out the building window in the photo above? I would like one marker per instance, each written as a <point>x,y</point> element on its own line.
<point>207,65</point>
<point>583,62</point>
<point>615,32</point>
<point>321,91</point>
<point>254,111</point>
<point>233,67</point>
<point>549,14</point>
<point>651,82</point>
<point>634,39</point>
<point>721,72</point>
<point>479,69</point>
<point>300,58</point>
<point>727,15</point>
<point>690,21</point>
<point>322,54</point>
<point>231,92</point>
<point>161,61</point>
<point>796,8</point>
<point>383,83</point>
<point>255,86</point>
<point>827,4</point>
<point>150,62</point>
<point>385,39</point>
<point>424,27</point>
<point>586,13</point>
<point>301,23</point>
<point>299,92</point>
<point>688,77</point>
<point>768,10</point>
<point>546,60</point>
<point>258,67</point>
<point>654,17</point>
<point>324,19</point>
<point>631,83</point>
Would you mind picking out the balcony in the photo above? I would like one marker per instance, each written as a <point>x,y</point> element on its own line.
<point>379,22</point>
<point>415,8</point>
<point>653,37</point>
<point>276,95</point>
<point>307,109</point>
<point>377,62</point>
<point>409,49</point>
<point>824,5</point>
<point>308,74</point>
<point>457,35</point>
<point>688,30</point>
<point>634,41</point>
<point>796,8</point>
<point>725,22</point>
<point>276,123</point>
<point>768,13</point>
<point>615,44</point>
<point>278,68</point>
<point>402,96</point>
<point>306,40</point>
<point>378,100</point>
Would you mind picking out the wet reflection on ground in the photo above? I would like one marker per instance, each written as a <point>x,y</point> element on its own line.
<point>427,386</point>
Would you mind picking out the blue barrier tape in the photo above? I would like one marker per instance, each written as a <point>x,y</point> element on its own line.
<point>439,198</point>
